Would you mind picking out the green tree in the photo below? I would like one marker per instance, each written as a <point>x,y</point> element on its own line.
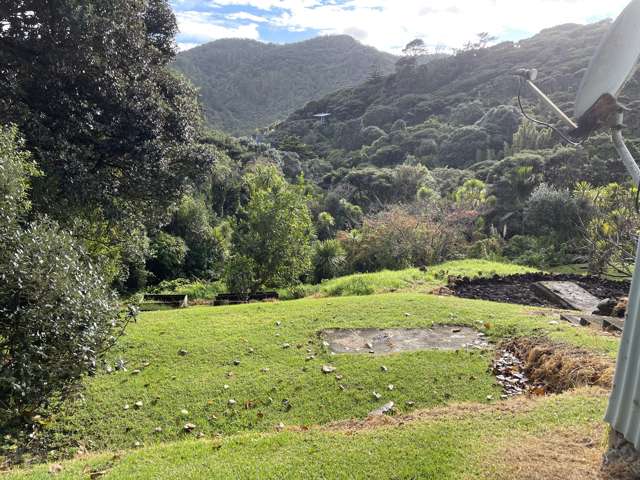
<point>88,84</point>
<point>328,260</point>
<point>274,232</point>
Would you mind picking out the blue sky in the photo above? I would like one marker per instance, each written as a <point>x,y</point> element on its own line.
<point>384,24</point>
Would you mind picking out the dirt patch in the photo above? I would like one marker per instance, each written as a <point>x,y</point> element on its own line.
<point>392,340</point>
<point>559,367</point>
<point>518,288</point>
<point>567,454</point>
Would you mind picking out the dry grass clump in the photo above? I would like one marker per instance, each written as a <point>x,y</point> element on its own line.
<point>560,367</point>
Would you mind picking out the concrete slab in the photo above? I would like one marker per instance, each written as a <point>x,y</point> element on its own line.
<point>567,295</point>
<point>392,340</point>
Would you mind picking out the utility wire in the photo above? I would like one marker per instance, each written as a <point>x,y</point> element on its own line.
<point>539,122</point>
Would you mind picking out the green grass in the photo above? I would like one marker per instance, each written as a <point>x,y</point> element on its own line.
<point>440,448</point>
<point>295,392</point>
<point>411,279</point>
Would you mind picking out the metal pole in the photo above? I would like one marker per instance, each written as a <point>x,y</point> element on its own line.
<point>623,411</point>
<point>549,103</point>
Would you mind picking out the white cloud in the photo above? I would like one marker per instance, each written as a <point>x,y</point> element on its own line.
<point>200,27</point>
<point>246,16</point>
<point>389,24</point>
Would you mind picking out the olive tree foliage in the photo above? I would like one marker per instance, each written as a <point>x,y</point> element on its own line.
<point>88,83</point>
<point>271,244</point>
<point>57,314</point>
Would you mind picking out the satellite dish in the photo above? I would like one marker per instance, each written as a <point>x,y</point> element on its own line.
<point>613,64</point>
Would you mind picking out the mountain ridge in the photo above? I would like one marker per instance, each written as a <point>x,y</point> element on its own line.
<point>246,84</point>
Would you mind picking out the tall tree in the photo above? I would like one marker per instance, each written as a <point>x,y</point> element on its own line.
<point>112,128</point>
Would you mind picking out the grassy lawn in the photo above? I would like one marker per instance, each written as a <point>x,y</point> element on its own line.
<point>258,356</point>
<point>409,280</point>
<point>466,445</point>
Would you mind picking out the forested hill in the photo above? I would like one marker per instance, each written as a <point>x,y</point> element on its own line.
<point>455,111</point>
<point>246,84</point>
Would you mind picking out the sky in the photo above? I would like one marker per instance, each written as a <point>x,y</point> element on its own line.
<point>387,25</point>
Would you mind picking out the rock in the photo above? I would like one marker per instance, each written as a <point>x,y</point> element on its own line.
<point>138,405</point>
<point>126,407</point>
<point>286,345</point>
<point>236,362</point>
<point>231,402</point>
<point>369,346</point>
<point>158,430</point>
<point>251,350</point>
<point>605,307</point>
<point>390,387</point>
<point>55,469</point>
<point>189,427</point>
<point>489,397</point>
<point>386,408</point>
<point>310,357</point>
<point>328,369</point>
<point>182,352</point>
<point>325,344</point>
<point>280,427</point>
<point>456,330</point>
<point>621,307</point>
<point>184,411</point>
<point>338,377</point>
<point>225,386</point>
<point>342,387</point>
<point>376,395</point>
<point>264,370</point>
<point>278,323</point>
<point>137,444</point>
<point>407,314</point>
<point>410,403</point>
<point>384,368</point>
<point>200,435</point>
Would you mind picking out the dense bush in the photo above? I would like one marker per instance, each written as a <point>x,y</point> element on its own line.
<point>56,314</point>
<point>399,237</point>
<point>551,211</point>
<point>56,311</point>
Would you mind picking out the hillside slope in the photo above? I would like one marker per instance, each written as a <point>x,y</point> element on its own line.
<point>247,84</point>
<point>442,98</point>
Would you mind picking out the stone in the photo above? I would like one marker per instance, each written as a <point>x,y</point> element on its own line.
<point>384,368</point>
<point>138,405</point>
<point>286,345</point>
<point>328,369</point>
<point>182,352</point>
<point>231,402</point>
<point>390,387</point>
<point>158,430</point>
<point>184,411</point>
<point>126,406</point>
<point>236,362</point>
<point>386,408</point>
<point>280,427</point>
<point>264,370</point>
<point>376,395</point>
<point>189,427</point>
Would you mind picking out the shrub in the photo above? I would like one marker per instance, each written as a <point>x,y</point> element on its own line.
<point>56,315</point>
<point>328,260</point>
<point>551,211</point>
<point>404,236</point>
